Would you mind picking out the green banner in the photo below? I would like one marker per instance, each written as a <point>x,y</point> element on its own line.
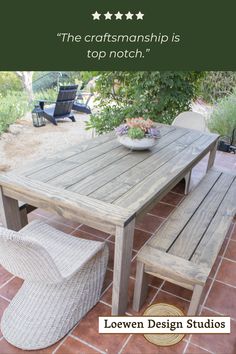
<point>118,35</point>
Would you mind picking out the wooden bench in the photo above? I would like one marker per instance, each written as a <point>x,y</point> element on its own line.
<point>185,248</point>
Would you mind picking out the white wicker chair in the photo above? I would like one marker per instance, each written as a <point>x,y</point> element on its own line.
<point>63,281</point>
<point>190,120</point>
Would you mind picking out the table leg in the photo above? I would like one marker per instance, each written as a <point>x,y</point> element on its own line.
<point>187,182</point>
<point>212,156</point>
<point>9,212</point>
<point>123,255</point>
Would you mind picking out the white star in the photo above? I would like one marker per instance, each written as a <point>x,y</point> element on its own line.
<point>139,16</point>
<point>129,16</point>
<point>119,16</point>
<point>96,16</point>
<point>108,16</point>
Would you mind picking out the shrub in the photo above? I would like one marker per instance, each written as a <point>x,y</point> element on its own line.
<point>107,119</point>
<point>12,106</point>
<point>217,85</point>
<point>159,96</point>
<point>223,117</point>
<point>9,82</point>
<point>49,95</point>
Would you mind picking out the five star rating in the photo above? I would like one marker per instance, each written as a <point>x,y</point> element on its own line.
<point>117,16</point>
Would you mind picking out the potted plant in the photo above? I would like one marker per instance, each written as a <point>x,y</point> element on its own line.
<point>138,133</point>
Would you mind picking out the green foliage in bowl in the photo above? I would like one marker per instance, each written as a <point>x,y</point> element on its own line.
<point>136,133</point>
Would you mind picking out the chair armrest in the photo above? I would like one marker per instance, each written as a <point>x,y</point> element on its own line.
<point>88,99</point>
<point>42,102</point>
<point>83,94</point>
<point>48,101</point>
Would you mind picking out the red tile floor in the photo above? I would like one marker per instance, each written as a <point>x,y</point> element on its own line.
<point>220,292</point>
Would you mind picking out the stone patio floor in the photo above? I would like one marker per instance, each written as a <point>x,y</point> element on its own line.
<point>219,297</point>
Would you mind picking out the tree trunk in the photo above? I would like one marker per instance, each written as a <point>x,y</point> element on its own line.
<point>27,80</point>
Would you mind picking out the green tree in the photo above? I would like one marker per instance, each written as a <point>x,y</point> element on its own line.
<point>157,95</point>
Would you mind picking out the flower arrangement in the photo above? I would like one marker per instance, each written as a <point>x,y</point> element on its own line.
<point>138,128</point>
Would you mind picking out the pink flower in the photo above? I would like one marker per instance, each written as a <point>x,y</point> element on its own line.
<point>139,122</point>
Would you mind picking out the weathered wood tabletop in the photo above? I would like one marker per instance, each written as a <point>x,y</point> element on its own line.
<point>106,186</point>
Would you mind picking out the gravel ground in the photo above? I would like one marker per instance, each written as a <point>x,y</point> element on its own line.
<point>23,142</point>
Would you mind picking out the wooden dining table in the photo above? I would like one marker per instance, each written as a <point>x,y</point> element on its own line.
<point>104,185</point>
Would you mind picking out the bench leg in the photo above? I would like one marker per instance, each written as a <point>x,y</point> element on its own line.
<point>187,182</point>
<point>24,217</point>
<point>141,287</point>
<point>195,301</point>
<point>212,156</point>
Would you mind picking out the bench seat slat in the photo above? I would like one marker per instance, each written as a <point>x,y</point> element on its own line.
<point>191,235</point>
<point>176,222</point>
<point>210,245</point>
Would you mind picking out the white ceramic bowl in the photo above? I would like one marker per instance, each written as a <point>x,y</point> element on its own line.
<point>136,144</point>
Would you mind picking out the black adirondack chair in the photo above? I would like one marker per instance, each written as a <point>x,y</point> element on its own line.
<point>81,106</point>
<point>62,107</point>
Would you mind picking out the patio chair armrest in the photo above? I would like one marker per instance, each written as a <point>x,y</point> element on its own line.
<point>47,101</point>
<point>81,95</point>
<point>88,99</point>
<point>43,102</point>
<point>71,205</point>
